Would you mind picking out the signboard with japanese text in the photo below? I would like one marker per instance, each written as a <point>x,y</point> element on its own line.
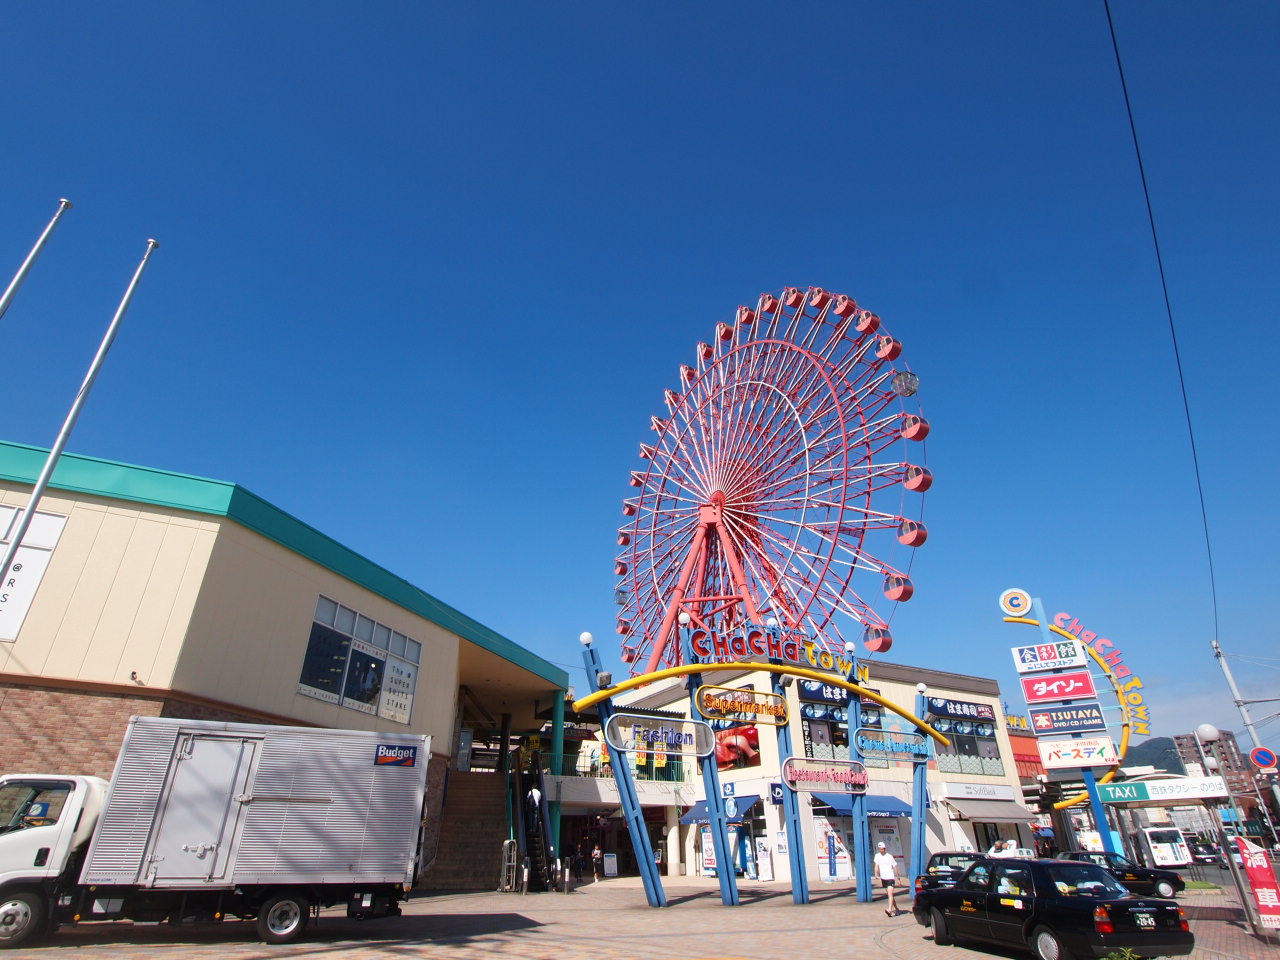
<point>1082,752</point>
<point>1072,685</point>
<point>1049,656</point>
<point>1170,788</point>
<point>1266,891</point>
<point>960,709</point>
<point>1077,718</point>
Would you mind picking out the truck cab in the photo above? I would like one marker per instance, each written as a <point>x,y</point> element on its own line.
<point>44,821</point>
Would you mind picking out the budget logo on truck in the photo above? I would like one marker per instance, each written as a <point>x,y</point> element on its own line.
<point>389,755</point>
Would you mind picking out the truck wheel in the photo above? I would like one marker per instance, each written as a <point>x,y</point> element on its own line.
<point>282,917</point>
<point>1165,889</point>
<point>21,917</point>
<point>941,935</point>
<point>1047,946</point>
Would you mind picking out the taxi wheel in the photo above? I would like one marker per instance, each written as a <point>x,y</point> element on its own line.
<point>941,935</point>
<point>1165,889</point>
<point>1047,945</point>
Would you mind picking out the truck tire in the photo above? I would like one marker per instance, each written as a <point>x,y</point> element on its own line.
<point>22,915</point>
<point>941,935</point>
<point>1165,889</point>
<point>283,916</point>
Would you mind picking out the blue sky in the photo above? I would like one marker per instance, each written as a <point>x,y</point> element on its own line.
<point>426,269</point>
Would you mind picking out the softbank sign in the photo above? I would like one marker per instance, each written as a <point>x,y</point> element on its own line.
<point>759,643</point>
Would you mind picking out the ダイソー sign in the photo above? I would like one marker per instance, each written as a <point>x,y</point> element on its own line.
<point>1072,685</point>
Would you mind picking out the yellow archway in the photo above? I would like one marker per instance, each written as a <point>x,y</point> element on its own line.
<point>688,668</point>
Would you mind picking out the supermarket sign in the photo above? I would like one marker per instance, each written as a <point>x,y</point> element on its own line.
<point>1049,656</point>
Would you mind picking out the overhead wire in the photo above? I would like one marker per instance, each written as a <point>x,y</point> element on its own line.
<point>1168,309</point>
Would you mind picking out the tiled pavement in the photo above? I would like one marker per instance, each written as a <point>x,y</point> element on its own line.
<point>608,921</point>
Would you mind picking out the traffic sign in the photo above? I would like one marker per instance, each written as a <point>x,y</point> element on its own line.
<point>1263,757</point>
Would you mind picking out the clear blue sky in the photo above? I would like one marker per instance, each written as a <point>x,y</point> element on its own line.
<point>426,269</point>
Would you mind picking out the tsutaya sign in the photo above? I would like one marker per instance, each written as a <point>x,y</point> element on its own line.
<point>753,642</point>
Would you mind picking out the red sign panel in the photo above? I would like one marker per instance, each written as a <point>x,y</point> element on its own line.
<point>1049,687</point>
<point>1266,892</point>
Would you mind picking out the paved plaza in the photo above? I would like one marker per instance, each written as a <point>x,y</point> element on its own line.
<point>609,920</point>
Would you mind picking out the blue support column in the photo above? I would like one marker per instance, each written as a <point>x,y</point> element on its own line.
<point>557,764</point>
<point>627,795</point>
<point>1090,783</point>
<point>711,784</point>
<point>861,826</point>
<point>791,811</point>
<point>919,800</point>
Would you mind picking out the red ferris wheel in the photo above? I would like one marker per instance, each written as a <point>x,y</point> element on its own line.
<point>777,486</point>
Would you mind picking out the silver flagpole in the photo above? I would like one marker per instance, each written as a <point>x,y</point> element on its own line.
<point>63,206</point>
<point>42,482</point>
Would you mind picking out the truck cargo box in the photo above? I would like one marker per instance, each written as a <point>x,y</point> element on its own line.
<point>197,804</point>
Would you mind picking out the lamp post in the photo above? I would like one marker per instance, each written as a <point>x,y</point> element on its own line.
<point>1207,735</point>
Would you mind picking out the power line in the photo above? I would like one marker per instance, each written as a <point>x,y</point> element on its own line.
<point>1168,309</point>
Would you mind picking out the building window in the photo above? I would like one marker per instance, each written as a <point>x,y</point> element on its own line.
<point>974,748</point>
<point>359,663</point>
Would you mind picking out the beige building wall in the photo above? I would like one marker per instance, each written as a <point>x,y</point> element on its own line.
<point>251,626</point>
<point>118,595</point>
<point>160,600</point>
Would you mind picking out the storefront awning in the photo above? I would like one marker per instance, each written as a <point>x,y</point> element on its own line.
<point>737,810</point>
<point>878,805</point>
<point>992,811</point>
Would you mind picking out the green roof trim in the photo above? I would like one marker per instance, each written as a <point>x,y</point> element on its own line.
<point>20,463</point>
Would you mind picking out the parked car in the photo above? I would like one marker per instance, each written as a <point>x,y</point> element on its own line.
<point>945,867</point>
<point>1057,908</point>
<point>1162,883</point>
<point>1206,853</point>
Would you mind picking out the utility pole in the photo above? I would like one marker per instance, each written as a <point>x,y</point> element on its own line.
<point>1241,705</point>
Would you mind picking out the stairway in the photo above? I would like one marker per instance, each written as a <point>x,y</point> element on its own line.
<point>469,856</point>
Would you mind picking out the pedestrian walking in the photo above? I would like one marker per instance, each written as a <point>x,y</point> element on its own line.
<point>597,863</point>
<point>887,870</point>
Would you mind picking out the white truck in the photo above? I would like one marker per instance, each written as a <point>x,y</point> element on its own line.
<point>203,821</point>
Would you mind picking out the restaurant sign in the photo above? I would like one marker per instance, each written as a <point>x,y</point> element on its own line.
<point>892,745</point>
<point>824,776</point>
